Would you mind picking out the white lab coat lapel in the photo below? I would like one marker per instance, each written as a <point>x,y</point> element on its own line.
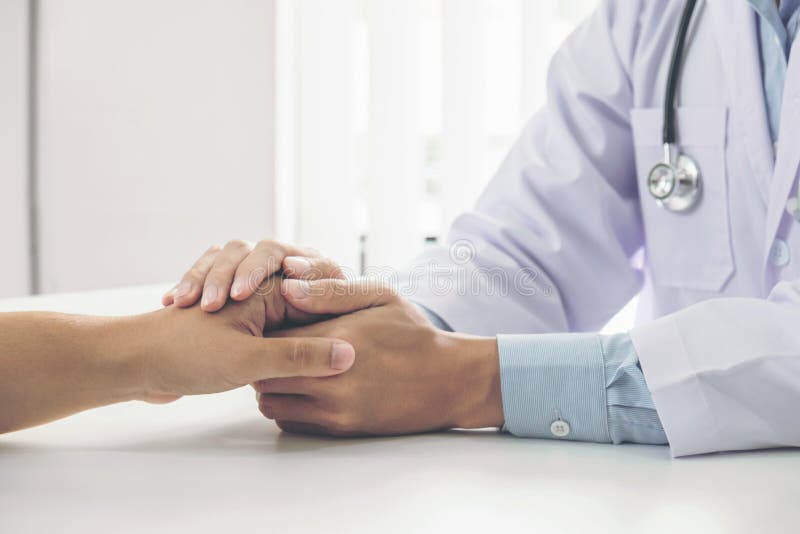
<point>738,44</point>
<point>788,157</point>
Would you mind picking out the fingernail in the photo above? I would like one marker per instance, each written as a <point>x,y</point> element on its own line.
<point>342,356</point>
<point>237,289</point>
<point>209,295</point>
<point>296,264</point>
<point>299,289</point>
<point>183,288</point>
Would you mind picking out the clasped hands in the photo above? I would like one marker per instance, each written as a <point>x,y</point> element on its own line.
<point>396,373</point>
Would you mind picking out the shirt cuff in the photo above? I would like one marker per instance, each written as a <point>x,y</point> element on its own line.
<point>546,378</point>
<point>632,416</point>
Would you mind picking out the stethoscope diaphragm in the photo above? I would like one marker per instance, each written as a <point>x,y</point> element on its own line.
<point>675,182</point>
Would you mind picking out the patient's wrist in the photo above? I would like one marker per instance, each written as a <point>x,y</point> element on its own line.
<point>130,344</point>
<point>104,348</point>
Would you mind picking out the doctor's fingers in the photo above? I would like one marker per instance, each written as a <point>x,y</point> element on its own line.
<point>262,262</point>
<point>189,288</point>
<point>312,268</point>
<point>336,296</point>
<point>306,268</point>
<point>293,385</point>
<point>304,415</point>
<point>299,408</point>
<point>300,428</point>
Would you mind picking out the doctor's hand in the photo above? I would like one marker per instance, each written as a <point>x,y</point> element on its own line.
<point>237,269</point>
<point>409,376</point>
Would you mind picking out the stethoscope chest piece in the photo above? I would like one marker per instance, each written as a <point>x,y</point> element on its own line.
<point>675,186</point>
<point>675,182</point>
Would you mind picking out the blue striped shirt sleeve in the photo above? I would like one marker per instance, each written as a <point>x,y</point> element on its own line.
<point>550,377</point>
<point>591,382</point>
<point>632,416</point>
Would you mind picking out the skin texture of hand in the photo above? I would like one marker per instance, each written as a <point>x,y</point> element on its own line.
<point>409,377</point>
<point>55,365</point>
<point>240,267</point>
<point>191,352</point>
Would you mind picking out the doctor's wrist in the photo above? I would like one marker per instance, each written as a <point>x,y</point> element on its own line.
<point>477,400</point>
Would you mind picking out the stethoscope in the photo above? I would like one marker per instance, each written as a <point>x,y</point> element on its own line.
<point>675,182</point>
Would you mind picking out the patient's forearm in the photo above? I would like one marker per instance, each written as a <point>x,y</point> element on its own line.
<point>53,365</point>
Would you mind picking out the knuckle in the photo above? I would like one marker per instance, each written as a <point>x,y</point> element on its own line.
<point>337,287</point>
<point>237,244</point>
<point>213,249</point>
<point>272,254</point>
<point>270,244</point>
<point>388,292</point>
<point>301,356</point>
<point>195,275</point>
<point>218,273</point>
<point>289,426</point>
<point>315,271</point>
<point>329,267</point>
<point>343,423</point>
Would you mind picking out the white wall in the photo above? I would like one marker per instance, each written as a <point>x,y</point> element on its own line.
<point>14,266</point>
<point>464,109</point>
<point>155,135</point>
<point>156,132</point>
<point>323,121</point>
<point>395,145</point>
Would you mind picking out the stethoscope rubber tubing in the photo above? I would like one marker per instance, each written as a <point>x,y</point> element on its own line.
<point>674,72</point>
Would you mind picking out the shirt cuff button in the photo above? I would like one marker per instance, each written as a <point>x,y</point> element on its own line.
<point>560,428</point>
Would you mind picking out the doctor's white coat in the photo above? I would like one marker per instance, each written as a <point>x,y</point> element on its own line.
<point>719,318</point>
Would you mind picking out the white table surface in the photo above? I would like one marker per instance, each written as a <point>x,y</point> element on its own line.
<point>208,464</point>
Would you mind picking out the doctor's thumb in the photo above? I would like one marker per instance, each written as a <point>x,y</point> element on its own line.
<point>335,297</point>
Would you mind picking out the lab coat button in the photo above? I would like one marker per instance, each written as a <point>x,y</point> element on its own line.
<point>560,428</point>
<point>779,253</point>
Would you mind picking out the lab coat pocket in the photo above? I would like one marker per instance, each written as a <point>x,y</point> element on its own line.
<point>690,250</point>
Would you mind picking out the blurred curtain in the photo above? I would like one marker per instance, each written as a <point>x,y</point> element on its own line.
<point>393,114</point>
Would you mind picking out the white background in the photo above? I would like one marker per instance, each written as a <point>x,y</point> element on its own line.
<point>165,126</point>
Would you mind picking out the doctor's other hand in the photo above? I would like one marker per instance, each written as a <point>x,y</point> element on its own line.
<point>409,376</point>
<point>188,351</point>
<point>238,268</point>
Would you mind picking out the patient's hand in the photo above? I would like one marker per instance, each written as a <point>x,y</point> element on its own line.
<point>54,365</point>
<point>187,351</point>
<point>238,269</point>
